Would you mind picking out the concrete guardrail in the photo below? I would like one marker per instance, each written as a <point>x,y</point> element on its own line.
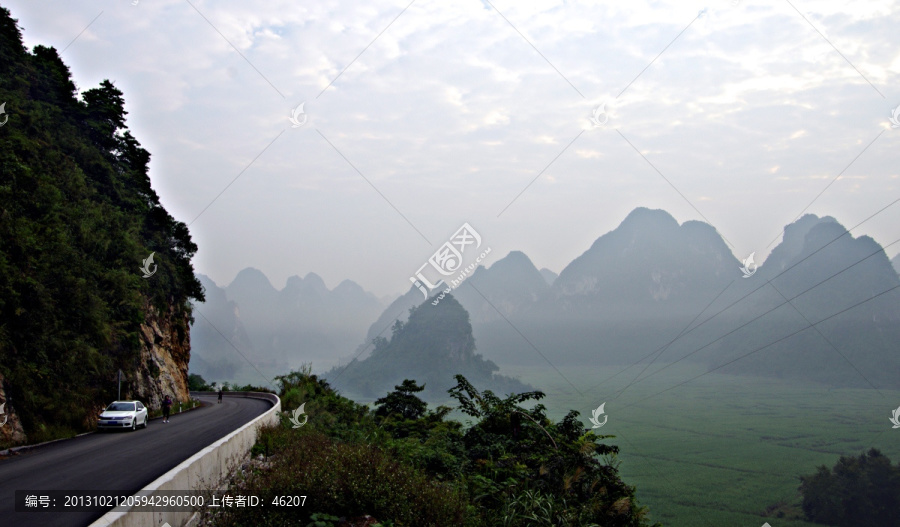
<point>204,470</point>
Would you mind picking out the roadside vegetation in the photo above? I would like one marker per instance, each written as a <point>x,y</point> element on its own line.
<point>197,383</point>
<point>404,464</point>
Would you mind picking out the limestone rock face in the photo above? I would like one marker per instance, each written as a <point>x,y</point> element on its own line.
<point>165,353</point>
<point>162,369</point>
<point>11,432</point>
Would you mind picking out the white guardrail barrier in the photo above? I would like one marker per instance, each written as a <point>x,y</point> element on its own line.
<point>204,470</point>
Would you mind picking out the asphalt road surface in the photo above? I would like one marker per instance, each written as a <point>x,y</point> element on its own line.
<point>116,460</point>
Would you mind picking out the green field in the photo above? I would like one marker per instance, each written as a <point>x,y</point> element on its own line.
<point>721,450</point>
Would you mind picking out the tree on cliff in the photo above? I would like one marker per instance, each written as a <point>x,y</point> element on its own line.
<point>77,217</point>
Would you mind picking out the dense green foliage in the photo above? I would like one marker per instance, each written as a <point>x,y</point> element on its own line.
<point>196,383</point>
<point>77,218</point>
<point>862,490</point>
<point>406,465</point>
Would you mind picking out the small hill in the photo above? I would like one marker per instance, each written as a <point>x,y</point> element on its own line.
<point>510,285</point>
<point>432,346</point>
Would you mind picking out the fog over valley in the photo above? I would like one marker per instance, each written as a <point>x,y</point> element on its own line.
<point>449,264</point>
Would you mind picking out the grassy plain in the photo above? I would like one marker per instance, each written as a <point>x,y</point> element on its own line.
<point>720,450</point>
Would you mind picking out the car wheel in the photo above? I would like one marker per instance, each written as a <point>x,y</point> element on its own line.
<point>134,424</point>
<point>145,422</point>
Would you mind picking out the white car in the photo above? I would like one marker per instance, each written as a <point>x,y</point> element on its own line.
<point>124,414</point>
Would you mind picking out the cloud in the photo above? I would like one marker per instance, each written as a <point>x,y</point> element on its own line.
<point>448,110</point>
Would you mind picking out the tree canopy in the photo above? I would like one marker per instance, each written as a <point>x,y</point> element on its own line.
<point>863,490</point>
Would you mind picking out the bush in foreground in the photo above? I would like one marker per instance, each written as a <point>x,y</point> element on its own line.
<point>405,465</point>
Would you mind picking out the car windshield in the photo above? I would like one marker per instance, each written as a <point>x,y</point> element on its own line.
<point>121,407</point>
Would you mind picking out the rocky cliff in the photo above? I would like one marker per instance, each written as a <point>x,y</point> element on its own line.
<point>164,356</point>
<point>11,431</point>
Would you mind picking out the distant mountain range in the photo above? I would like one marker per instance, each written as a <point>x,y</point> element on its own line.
<point>651,289</point>
<point>276,330</point>
<point>652,281</point>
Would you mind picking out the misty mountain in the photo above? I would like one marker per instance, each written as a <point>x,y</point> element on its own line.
<point>548,275</point>
<point>822,308</point>
<point>433,345</point>
<point>211,355</point>
<point>650,266</point>
<point>278,330</point>
<point>506,289</point>
<point>509,286</point>
<point>653,287</point>
<point>630,293</point>
<point>896,263</point>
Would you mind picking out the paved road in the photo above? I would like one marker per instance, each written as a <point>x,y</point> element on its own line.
<point>116,460</point>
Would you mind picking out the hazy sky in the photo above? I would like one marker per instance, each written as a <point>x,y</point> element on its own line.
<point>422,116</point>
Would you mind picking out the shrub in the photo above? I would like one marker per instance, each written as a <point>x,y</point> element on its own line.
<point>512,467</point>
<point>345,479</point>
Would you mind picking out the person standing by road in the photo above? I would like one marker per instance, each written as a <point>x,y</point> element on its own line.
<point>220,395</point>
<point>166,407</point>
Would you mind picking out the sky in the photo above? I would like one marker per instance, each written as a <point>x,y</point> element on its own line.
<point>540,124</point>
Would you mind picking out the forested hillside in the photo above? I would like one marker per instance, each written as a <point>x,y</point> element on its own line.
<point>78,217</point>
<point>433,345</point>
